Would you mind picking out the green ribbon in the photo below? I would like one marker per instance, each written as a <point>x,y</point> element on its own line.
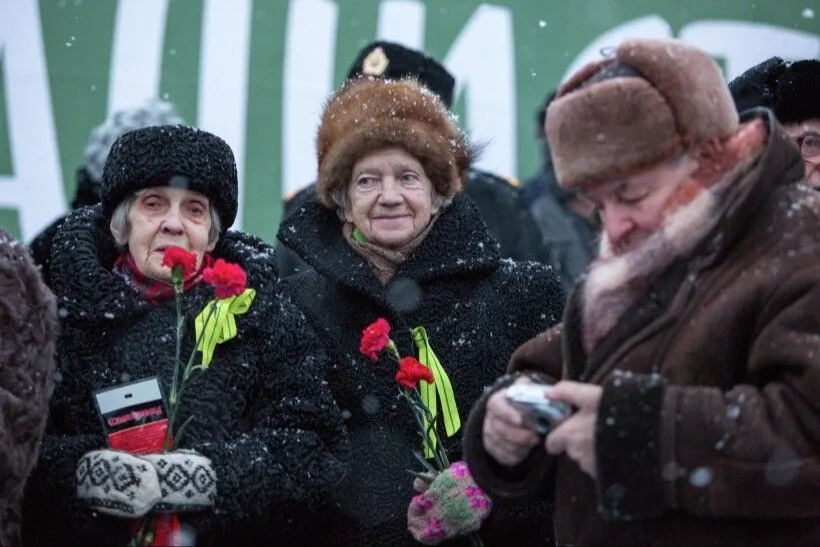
<point>442,386</point>
<point>359,236</point>
<point>216,323</point>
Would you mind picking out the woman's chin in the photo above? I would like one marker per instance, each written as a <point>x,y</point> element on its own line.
<point>390,241</point>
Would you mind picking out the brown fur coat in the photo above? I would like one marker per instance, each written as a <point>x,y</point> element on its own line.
<point>28,327</point>
<point>709,424</point>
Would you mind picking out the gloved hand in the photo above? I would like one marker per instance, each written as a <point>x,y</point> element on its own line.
<point>117,483</point>
<point>453,505</point>
<point>187,480</point>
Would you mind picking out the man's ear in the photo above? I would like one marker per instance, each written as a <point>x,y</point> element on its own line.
<point>118,236</point>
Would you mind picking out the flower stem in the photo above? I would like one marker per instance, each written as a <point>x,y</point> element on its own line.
<point>176,276</point>
<point>171,441</point>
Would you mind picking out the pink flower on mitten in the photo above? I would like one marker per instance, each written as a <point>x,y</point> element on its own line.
<point>434,530</point>
<point>478,499</point>
<point>420,504</point>
<point>460,470</point>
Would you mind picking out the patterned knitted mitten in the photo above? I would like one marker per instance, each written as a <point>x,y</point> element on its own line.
<point>187,480</point>
<point>117,483</point>
<point>452,506</point>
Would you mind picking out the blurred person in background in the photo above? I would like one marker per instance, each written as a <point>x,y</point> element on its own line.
<point>565,217</point>
<point>28,331</point>
<point>792,91</point>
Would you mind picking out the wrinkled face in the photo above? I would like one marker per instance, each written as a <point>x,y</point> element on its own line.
<point>633,208</point>
<point>163,217</point>
<point>807,136</point>
<point>391,199</point>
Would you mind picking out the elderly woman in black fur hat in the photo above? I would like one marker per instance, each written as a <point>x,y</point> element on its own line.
<point>393,236</point>
<point>265,442</point>
<point>792,92</point>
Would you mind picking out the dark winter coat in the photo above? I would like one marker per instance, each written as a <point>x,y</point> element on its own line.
<point>709,434</point>
<point>476,309</point>
<point>499,203</point>
<point>28,330</point>
<point>569,238</point>
<point>263,412</point>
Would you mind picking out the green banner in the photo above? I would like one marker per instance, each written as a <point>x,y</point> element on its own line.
<point>257,72</point>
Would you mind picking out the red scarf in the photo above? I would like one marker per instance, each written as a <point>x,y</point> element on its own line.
<point>151,289</point>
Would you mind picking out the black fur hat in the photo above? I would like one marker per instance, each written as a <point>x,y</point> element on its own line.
<point>788,89</point>
<point>798,92</point>
<point>394,61</point>
<point>172,155</point>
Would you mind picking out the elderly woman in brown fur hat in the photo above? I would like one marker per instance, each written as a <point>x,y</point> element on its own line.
<point>28,329</point>
<point>392,236</point>
<point>689,348</point>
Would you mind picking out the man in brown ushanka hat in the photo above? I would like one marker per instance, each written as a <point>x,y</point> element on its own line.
<point>688,352</point>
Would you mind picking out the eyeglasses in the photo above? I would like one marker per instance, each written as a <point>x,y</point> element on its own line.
<point>809,144</point>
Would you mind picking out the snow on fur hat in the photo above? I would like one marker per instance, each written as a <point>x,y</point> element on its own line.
<point>368,114</point>
<point>172,155</point>
<point>152,112</point>
<point>788,89</point>
<point>650,102</point>
<point>394,61</point>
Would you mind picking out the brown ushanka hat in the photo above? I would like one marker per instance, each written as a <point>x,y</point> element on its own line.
<point>367,114</point>
<point>665,97</point>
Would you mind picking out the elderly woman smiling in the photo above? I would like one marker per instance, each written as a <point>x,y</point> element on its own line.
<point>392,236</point>
<point>390,200</point>
<point>265,443</point>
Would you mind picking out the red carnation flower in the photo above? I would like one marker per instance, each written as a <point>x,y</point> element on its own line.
<point>411,370</point>
<point>177,257</point>
<point>228,279</point>
<point>375,338</point>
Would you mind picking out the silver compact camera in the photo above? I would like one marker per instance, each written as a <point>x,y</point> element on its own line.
<point>540,413</point>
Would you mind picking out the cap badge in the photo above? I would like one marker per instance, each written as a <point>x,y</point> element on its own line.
<point>375,63</point>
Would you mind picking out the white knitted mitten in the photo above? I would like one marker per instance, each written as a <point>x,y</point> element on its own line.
<point>187,480</point>
<point>117,483</point>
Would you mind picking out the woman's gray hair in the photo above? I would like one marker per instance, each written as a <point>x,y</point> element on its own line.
<point>341,198</point>
<point>119,219</point>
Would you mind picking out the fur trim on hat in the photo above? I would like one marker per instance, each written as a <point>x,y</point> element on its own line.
<point>676,99</point>
<point>395,61</point>
<point>368,114</point>
<point>172,155</point>
<point>614,282</point>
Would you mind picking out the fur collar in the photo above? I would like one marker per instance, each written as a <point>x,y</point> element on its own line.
<point>614,282</point>
<point>459,243</point>
<point>88,289</point>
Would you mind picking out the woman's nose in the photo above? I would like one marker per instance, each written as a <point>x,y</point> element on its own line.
<point>172,223</point>
<point>390,191</point>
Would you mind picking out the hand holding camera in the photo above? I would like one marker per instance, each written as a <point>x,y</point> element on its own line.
<point>540,413</point>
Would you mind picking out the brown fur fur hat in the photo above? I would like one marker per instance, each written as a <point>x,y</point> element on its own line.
<point>660,98</point>
<point>367,114</point>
